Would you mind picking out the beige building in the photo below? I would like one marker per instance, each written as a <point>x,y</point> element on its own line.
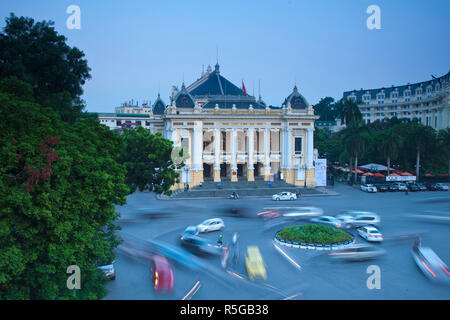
<point>229,135</point>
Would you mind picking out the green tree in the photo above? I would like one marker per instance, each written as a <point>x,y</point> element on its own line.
<point>389,145</point>
<point>350,112</point>
<point>355,137</point>
<point>147,158</point>
<point>59,184</point>
<point>35,53</point>
<point>444,139</point>
<point>421,137</point>
<point>326,109</point>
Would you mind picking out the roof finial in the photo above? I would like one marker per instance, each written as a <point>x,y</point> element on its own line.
<point>259,89</point>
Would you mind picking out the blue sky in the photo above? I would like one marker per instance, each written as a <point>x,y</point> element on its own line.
<point>137,47</point>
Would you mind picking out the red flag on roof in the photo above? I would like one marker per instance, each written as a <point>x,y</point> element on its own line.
<point>243,88</point>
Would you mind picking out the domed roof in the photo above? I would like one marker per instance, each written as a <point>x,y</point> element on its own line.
<point>159,106</point>
<point>296,100</point>
<point>183,99</point>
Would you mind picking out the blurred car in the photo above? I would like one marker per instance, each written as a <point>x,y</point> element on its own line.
<point>382,187</point>
<point>363,218</point>
<point>331,221</point>
<point>441,187</point>
<point>303,212</point>
<point>269,214</point>
<point>254,264</point>
<point>413,187</point>
<point>422,187</point>
<point>162,274</point>
<point>284,196</point>
<point>401,186</point>
<point>431,186</point>
<point>209,225</point>
<point>108,270</point>
<point>370,234</point>
<point>430,264</point>
<point>357,252</point>
<point>238,212</point>
<point>346,219</point>
<point>393,187</point>
<point>193,230</point>
<point>199,244</point>
<point>368,188</point>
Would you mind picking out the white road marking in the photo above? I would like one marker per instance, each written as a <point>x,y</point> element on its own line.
<point>286,255</point>
<point>195,287</point>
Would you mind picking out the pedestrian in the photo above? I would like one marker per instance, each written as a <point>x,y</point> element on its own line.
<point>220,240</point>
<point>406,191</point>
<point>187,187</point>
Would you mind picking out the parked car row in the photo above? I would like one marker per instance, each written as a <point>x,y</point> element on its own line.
<point>399,186</point>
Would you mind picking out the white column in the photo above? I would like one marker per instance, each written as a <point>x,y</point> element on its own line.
<point>216,149</point>
<point>288,148</point>
<point>283,148</point>
<point>309,148</point>
<point>251,133</point>
<point>233,149</point>
<point>198,147</point>
<point>267,149</point>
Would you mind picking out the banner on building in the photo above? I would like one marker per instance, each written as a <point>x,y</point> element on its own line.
<point>320,172</point>
<point>401,178</point>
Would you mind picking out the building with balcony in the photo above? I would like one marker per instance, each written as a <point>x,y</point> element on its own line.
<point>427,101</point>
<point>230,135</point>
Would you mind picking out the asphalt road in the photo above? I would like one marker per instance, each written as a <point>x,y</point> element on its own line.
<point>293,273</point>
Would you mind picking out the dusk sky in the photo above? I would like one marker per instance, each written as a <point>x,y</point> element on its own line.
<point>136,48</point>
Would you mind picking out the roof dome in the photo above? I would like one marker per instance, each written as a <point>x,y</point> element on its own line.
<point>296,100</point>
<point>183,99</point>
<point>159,106</point>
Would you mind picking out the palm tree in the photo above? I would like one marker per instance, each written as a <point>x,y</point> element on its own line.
<point>350,112</point>
<point>444,139</point>
<point>391,143</point>
<point>355,138</point>
<point>421,136</point>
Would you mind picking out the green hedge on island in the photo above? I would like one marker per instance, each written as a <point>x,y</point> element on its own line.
<point>314,233</point>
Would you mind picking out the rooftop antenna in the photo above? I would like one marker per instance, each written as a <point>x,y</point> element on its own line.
<point>217,53</point>
<point>259,89</point>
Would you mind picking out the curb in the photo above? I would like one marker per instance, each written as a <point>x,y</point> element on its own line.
<point>310,246</point>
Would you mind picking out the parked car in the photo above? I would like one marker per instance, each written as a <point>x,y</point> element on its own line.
<point>162,273</point>
<point>213,224</point>
<point>442,187</point>
<point>254,264</point>
<point>331,221</point>
<point>284,196</point>
<point>393,187</point>
<point>401,186</point>
<point>357,252</point>
<point>413,187</point>
<point>108,270</point>
<point>422,187</point>
<point>431,186</point>
<point>368,188</point>
<point>363,218</point>
<point>370,234</point>
<point>200,245</point>
<point>382,187</point>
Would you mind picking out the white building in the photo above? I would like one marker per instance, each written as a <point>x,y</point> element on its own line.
<point>427,101</point>
<point>229,134</point>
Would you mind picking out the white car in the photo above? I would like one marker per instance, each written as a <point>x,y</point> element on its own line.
<point>108,270</point>
<point>368,188</point>
<point>303,212</point>
<point>211,225</point>
<point>401,186</point>
<point>370,234</point>
<point>284,196</point>
<point>329,220</point>
<point>360,218</point>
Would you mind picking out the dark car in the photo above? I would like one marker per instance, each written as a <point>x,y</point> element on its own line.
<point>393,187</point>
<point>422,187</point>
<point>199,245</point>
<point>382,187</point>
<point>431,186</point>
<point>413,187</point>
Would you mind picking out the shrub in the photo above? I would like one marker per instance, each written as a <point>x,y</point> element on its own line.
<point>314,233</point>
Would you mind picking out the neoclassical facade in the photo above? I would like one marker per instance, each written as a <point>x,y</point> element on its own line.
<point>427,101</point>
<point>228,134</point>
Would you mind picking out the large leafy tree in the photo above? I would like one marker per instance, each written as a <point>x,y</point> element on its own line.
<point>350,111</point>
<point>389,145</point>
<point>355,138</point>
<point>444,139</point>
<point>59,184</point>
<point>421,137</point>
<point>148,160</point>
<point>327,109</point>
<point>34,52</point>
